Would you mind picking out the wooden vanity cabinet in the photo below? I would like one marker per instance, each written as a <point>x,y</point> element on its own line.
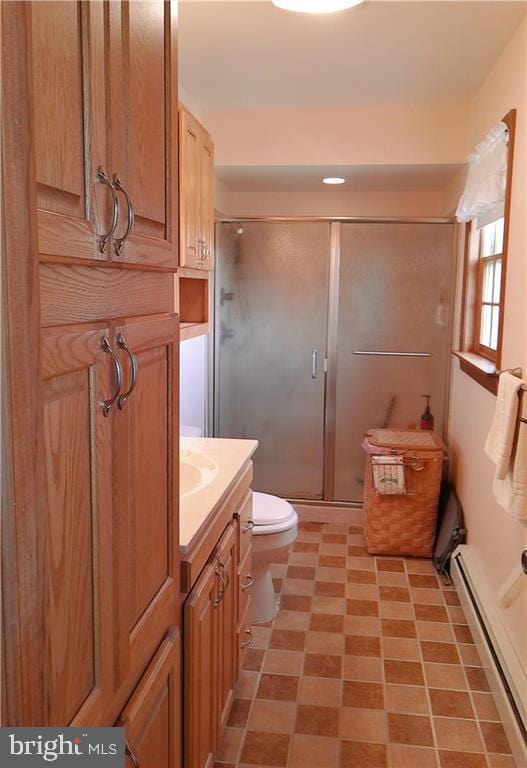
<point>216,634</point>
<point>152,731</point>
<point>196,205</point>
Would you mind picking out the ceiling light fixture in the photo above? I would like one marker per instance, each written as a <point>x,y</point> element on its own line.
<point>333,180</point>
<point>316,6</point>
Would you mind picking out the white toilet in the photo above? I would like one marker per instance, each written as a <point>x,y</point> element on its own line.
<point>274,533</point>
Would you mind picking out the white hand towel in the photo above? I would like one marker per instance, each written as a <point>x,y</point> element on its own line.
<point>511,492</point>
<point>500,439</point>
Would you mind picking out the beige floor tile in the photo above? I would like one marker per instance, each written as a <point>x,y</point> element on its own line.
<point>362,668</point>
<point>469,655</point>
<point>298,587</point>
<point>291,620</point>
<point>420,566</point>
<point>230,745</point>
<point>402,756</point>
<point>322,604</point>
<point>283,662</point>
<point>246,686</point>
<point>314,752</point>
<point>303,558</point>
<point>388,578</point>
<point>369,725</point>
<point>362,591</point>
<point>427,596</point>
<point>459,735</point>
<point>272,716</point>
<point>445,676</point>
<point>433,630</point>
<point>261,637</point>
<point>361,563</point>
<point>337,575</point>
<point>485,706</point>
<point>396,610</point>
<point>362,625</point>
<point>502,761</point>
<point>403,648</point>
<point>407,698</point>
<point>327,548</point>
<point>324,642</point>
<point>318,690</point>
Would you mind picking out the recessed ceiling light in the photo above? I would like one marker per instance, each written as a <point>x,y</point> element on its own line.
<point>334,180</point>
<point>316,6</point>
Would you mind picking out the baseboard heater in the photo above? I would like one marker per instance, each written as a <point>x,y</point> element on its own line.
<point>505,673</point>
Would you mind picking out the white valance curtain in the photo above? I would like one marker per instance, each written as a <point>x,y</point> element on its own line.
<point>484,195</point>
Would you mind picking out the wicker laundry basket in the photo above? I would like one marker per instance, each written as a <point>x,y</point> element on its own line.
<point>403,524</point>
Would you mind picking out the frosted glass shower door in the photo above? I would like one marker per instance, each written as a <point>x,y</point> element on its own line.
<point>271,312</point>
<point>394,297</point>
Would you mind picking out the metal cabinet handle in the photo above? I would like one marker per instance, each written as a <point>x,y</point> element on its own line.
<point>314,357</point>
<point>103,178</point>
<point>107,405</point>
<point>226,572</point>
<point>248,583</point>
<point>249,641</point>
<point>128,751</point>
<point>221,590</point>
<point>121,341</point>
<point>248,527</point>
<point>118,243</point>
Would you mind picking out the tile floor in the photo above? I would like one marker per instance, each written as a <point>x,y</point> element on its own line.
<point>368,664</point>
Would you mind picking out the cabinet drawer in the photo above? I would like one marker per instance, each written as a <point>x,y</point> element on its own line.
<point>244,636</point>
<point>244,515</point>
<point>245,581</point>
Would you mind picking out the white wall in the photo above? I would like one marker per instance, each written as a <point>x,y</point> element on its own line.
<point>193,383</point>
<point>495,538</point>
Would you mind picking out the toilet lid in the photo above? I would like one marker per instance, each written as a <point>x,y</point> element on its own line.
<point>270,510</point>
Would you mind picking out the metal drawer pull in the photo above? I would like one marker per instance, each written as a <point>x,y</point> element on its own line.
<point>103,178</point>
<point>372,353</point>
<point>314,364</point>
<point>119,242</point>
<point>121,341</point>
<point>128,751</point>
<point>221,590</point>
<point>248,527</point>
<point>107,405</point>
<point>248,583</point>
<point>249,641</point>
<point>226,572</point>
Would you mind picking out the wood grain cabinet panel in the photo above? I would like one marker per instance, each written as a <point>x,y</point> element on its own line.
<point>78,376</point>
<point>196,173</point>
<point>69,86</point>
<point>152,715</point>
<point>146,539</point>
<point>144,127</point>
<point>226,625</point>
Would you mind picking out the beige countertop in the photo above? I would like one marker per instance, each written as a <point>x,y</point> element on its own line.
<point>230,456</point>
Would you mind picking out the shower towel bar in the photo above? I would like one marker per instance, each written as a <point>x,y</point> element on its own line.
<point>373,353</point>
<point>518,371</point>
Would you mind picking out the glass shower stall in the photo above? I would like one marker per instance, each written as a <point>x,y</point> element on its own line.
<point>325,329</point>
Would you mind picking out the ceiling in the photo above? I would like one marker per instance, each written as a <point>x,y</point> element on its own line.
<point>358,177</point>
<point>251,54</point>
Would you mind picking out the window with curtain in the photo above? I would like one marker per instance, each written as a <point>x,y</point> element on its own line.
<point>485,208</point>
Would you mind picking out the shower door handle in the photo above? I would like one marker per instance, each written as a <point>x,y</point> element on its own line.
<point>314,363</point>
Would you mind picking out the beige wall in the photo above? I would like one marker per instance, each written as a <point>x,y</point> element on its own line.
<point>377,134</point>
<point>495,538</point>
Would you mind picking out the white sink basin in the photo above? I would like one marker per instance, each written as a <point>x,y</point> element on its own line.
<point>196,471</point>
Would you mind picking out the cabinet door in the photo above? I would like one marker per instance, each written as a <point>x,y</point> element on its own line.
<point>78,375</point>
<point>200,684</point>
<point>190,185</point>
<point>226,624</point>
<point>152,715</point>
<point>206,201</point>
<point>69,86</point>
<point>146,536</point>
<point>143,71</point>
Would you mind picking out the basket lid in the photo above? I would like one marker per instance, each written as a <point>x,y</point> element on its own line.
<point>406,439</point>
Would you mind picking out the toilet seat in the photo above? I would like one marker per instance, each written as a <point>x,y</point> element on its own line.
<point>272,514</point>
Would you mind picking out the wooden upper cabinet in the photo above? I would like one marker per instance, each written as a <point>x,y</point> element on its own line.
<point>196,174</point>
<point>144,133</point>
<point>146,533</point>
<point>69,86</point>
<point>78,376</point>
<point>152,715</point>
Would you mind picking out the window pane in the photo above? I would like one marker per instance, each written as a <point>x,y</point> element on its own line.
<point>488,234</point>
<point>497,282</point>
<point>486,325</point>
<point>488,275</point>
<point>498,244</point>
<point>494,328</point>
